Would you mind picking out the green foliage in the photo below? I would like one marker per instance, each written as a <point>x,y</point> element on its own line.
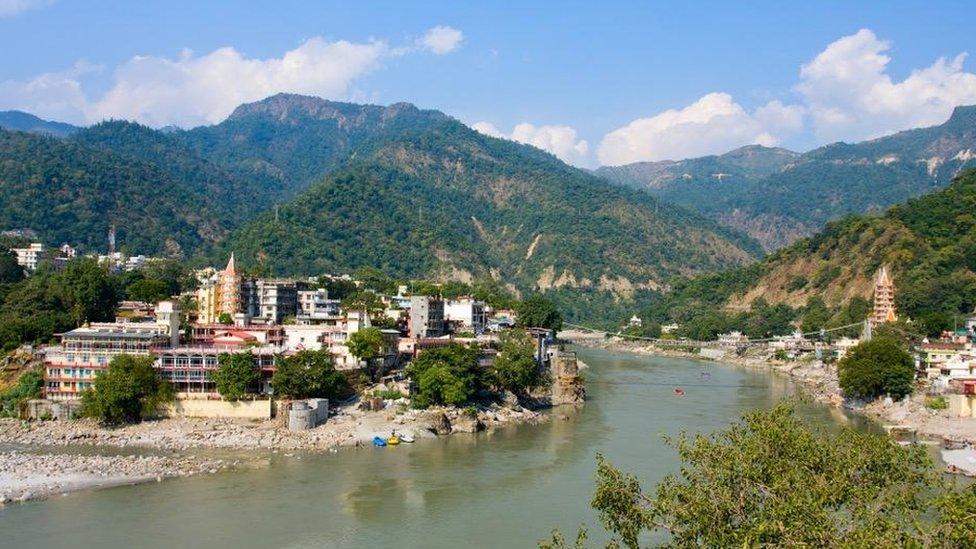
<point>225,318</point>
<point>366,344</point>
<point>363,301</point>
<point>49,302</point>
<point>309,374</point>
<point>936,403</point>
<point>772,480</point>
<point>28,386</point>
<point>236,373</point>
<point>515,368</point>
<point>338,288</point>
<point>877,367</point>
<point>446,375</point>
<point>539,312</point>
<point>127,391</point>
<point>10,271</point>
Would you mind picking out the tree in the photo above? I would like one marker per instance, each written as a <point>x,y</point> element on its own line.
<point>150,290</point>
<point>92,293</point>
<point>366,344</point>
<point>225,318</point>
<point>539,312</point>
<point>235,374</point>
<point>515,368</point>
<point>445,375</point>
<point>126,392</point>
<point>877,367</point>
<point>772,480</point>
<point>363,301</point>
<point>10,270</point>
<point>308,374</point>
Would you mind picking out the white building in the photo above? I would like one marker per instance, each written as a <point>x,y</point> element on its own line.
<point>466,314</point>
<point>29,257</point>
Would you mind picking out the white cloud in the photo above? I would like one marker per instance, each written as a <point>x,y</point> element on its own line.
<point>851,97</point>
<point>191,90</point>
<point>558,140</point>
<point>714,124</point>
<point>845,93</point>
<point>9,8</point>
<point>441,39</point>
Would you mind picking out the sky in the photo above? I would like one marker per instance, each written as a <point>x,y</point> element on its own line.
<point>595,83</point>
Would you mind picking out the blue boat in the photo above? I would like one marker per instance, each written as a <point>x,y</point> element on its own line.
<point>379,441</point>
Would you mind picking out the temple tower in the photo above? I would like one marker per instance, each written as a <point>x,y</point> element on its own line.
<point>884,299</point>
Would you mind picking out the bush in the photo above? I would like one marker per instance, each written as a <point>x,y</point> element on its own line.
<point>126,392</point>
<point>515,368</point>
<point>235,374</point>
<point>309,374</point>
<point>936,403</point>
<point>445,375</point>
<point>877,367</point>
<point>771,480</point>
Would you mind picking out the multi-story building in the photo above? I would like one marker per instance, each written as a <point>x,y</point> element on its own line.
<point>466,314</point>
<point>277,299</point>
<point>86,351</point>
<point>189,368</point>
<point>30,256</point>
<point>314,306</point>
<point>426,317</point>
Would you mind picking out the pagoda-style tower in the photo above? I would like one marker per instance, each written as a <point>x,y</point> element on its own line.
<point>884,299</point>
<point>228,289</point>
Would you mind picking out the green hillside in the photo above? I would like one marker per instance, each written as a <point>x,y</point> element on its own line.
<point>441,199</point>
<point>782,198</point>
<point>70,192</point>
<point>929,243</point>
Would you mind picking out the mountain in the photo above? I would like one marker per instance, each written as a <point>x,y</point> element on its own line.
<point>928,242</point>
<point>782,196</point>
<point>69,191</point>
<point>431,197</point>
<point>24,122</point>
<point>286,142</point>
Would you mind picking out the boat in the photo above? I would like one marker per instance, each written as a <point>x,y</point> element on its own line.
<point>678,391</point>
<point>406,437</point>
<point>379,441</point>
<point>393,440</point>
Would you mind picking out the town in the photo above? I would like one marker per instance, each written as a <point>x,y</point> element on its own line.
<point>371,339</point>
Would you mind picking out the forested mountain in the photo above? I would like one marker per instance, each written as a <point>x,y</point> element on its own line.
<point>928,242</point>
<point>779,199</point>
<point>286,142</point>
<point>68,191</point>
<point>434,197</point>
<point>25,122</point>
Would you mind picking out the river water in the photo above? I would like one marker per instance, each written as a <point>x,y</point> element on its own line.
<point>507,488</point>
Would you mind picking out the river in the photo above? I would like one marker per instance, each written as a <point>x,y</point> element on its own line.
<point>507,488</point>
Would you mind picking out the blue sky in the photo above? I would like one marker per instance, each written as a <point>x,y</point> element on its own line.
<point>607,82</point>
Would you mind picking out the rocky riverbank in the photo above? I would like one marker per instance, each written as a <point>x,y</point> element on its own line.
<point>28,475</point>
<point>820,381</point>
<point>351,427</point>
<point>41,472</point>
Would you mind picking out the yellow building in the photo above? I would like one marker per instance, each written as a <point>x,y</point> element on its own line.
<point>221,296</point>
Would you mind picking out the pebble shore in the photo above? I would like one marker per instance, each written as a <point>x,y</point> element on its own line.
<point>26,476</point>
<point>39,472</point>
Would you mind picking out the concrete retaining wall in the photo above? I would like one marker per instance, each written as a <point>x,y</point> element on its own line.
<point>199,407</point>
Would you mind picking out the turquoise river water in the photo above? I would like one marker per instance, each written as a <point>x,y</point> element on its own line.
<point>507,488</point>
